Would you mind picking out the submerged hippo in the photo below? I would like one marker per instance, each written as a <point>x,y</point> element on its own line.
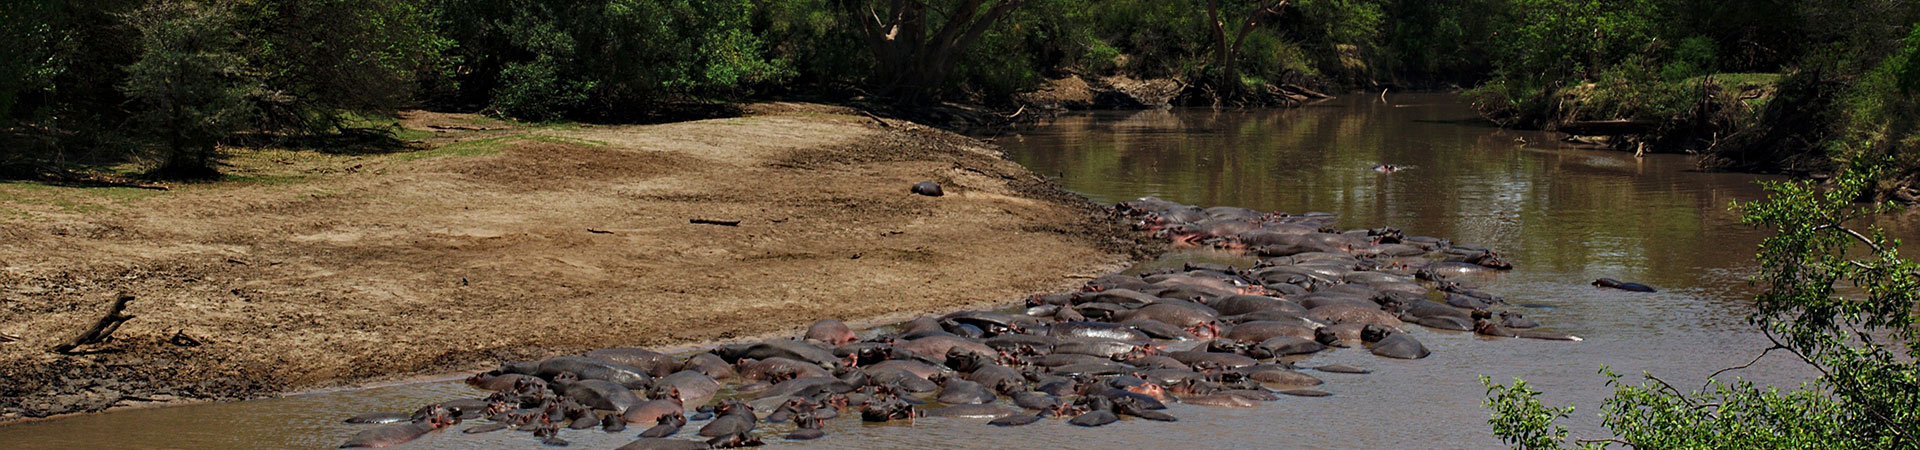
<point>1622,285</point>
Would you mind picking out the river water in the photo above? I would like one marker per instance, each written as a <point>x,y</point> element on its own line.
<point>1562,215</point>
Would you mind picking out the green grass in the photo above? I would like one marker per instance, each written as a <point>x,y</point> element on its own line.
<point>78,200</point>
<point>563,140</point>
<point>274,180</point>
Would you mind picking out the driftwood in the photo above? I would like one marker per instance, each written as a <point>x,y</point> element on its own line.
<point>8,337</point>
<point>727,223</point>
<point>1608,127</point>
<point>101,330</point>
<point>181,338</point>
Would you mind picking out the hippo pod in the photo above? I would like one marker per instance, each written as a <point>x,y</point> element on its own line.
<point>1121,348</point>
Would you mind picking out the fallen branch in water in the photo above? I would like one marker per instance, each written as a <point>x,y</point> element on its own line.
<point>102,330</point>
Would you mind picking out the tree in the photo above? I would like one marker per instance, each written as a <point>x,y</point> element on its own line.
<point>189,86</point>
<point>1864,343</point>
<point>323,57</point>
<point>913,54</point>
<point>544,59</point>
<point>1226,52</point>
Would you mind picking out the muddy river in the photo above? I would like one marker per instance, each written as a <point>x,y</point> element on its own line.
<point>1562,215</point>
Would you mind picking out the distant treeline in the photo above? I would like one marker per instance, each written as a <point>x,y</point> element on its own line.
<point>167,80</point>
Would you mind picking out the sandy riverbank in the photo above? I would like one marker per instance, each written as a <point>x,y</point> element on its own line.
<point>504,241</point>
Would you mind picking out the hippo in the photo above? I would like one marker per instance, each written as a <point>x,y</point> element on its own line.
<point>1234,305</point>
<point>1224,360</point>
<point>937,347</point>
<point>1346,313</point>
<point>498,381</point>
<point>692,386</point>
<point>1278,376</point>
<point>586,368</point>
<point>958,391</point>
<point>1097,330</point>
<point>1622,285</point>
<point>732,419</point>
<point>807,427</point>
<point>1449,323</point>
<point>653,363</point>
<point>1224,400</point>
<point>1174,313</point>
<point>1391,344</point>
<point>392,434</point>
<point>1015,420</point>
<point>666,425</point>
<point>998,378</point>
<point>379,418</point>
<point>652,443</point>
<point>989,411</point>
<point>927,188</point>
<point>710,365</point>
<point>1095,418</point>
<point>831,332</point>
<point>794,350</point>
<point>775,367</point>
<point>650,411</point>
<point>1289,345</point>
<point>600,394</point>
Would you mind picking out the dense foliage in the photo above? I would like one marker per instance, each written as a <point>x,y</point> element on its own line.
<point>311,65</point>
<point>1840,299</point>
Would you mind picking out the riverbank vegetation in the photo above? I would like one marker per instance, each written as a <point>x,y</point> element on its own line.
<point>1773,85</point>
<point>1798,86</point>
<point>1861,338</point>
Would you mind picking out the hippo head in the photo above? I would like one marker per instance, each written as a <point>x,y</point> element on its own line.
<point>1492,260</point>
<point>1208,330</point>
<point>1483,326</point>
<point>1326,337</point>
<point>566,377</point>
<point>667,393</point>
<point>438,416</point>
<point>1233,243</point>
<point>1374,333</point>
<point>1148,389</point>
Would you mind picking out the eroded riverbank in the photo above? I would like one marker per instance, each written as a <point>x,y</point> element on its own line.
<point>515,243</point>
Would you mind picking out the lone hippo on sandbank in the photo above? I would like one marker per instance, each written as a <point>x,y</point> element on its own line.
<point>928,188</point>
<point>1622,285</point>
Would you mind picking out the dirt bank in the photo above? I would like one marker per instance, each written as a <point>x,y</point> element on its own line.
<point>501,241</point>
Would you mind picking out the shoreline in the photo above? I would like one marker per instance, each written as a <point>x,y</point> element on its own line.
<point>836,150</point>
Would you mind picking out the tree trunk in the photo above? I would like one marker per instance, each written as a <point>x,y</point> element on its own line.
<point>1227,52</point>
